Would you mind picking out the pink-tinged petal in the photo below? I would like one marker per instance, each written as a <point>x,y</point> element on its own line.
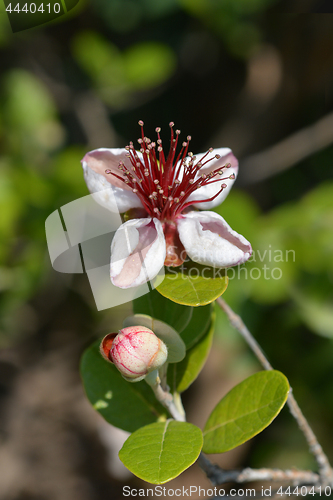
<point>208,191</point>
<point>104,159</point>
<point>209,240</point>
<point>108,190</point>
<point>137,252</point>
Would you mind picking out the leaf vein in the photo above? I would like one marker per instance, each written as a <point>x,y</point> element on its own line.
<point>238,418</point>
<point>162,446</point>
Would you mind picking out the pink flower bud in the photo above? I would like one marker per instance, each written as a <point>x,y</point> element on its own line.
<point>135,350</point>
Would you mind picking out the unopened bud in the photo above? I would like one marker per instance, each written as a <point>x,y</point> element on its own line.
<point>135,351</point>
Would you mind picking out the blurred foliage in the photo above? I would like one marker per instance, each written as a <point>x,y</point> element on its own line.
<point>34,176</point>
<point>73,86</point>
<point>117,74</point>
<point>123,16</point>
<point>292,254</point>
<point>234,20</point>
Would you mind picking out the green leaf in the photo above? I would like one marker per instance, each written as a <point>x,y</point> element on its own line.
<point>157,306</point>
<point>126,405</point>
<point>190,322</point>
<point>172,339</point>
<point>198,325</point>
<point>181,375</point>
<point>245,411</point>
<point>160,452</point>
<point>193,284</point>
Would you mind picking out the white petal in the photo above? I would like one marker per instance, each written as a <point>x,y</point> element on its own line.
<point>108,191</point>
<point>208,191</point>
<point>137,252</point>
<point>209,240</point>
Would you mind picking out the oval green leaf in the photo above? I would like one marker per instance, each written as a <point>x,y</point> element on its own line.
<point>159,307</point>
<point>245,411</point>
<point>123,404</point>
<point>172,339</point>
<point>182,375</point>
<point>198,325</point>
<point>190,322</point>
<point>160,452</point>
<point>193,284</point>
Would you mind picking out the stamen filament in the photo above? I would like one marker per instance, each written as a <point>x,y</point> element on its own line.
<point>164,184</point>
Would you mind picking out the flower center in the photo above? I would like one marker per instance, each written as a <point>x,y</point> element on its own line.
<point>164,182</point>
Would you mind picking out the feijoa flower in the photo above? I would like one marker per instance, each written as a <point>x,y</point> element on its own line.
<point>162,193</point>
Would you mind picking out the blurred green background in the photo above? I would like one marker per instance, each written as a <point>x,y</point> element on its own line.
<point>240,73</point>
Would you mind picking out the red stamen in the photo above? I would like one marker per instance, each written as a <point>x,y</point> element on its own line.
<point>155,178</point>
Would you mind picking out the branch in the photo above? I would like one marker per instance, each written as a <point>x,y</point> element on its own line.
<point>93,117</point>
<point>175,407</point>
<point>167,401</point>
<point>289,151</point>
<point>219,476</point>
<point>325,469</point>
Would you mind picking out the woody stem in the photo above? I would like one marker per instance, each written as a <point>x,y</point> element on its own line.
<point>325,469</point>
